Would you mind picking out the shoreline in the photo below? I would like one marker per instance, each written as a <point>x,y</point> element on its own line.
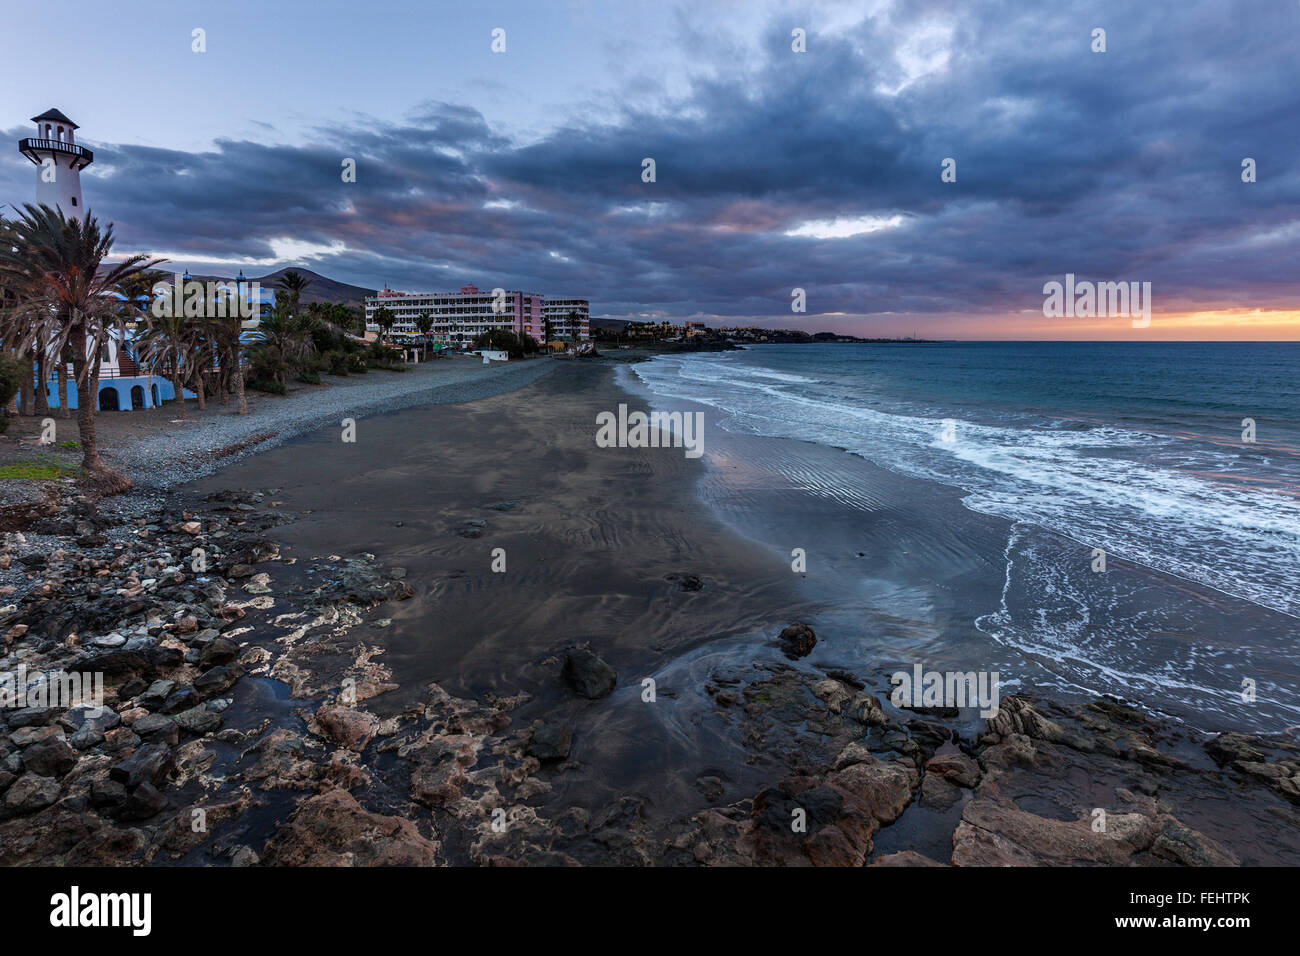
<point>158,451</point>
<point>428,692</point>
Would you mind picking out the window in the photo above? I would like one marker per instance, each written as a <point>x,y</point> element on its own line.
<point>74,200</point>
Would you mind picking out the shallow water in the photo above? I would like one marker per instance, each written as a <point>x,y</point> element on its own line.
<point>978,553</point>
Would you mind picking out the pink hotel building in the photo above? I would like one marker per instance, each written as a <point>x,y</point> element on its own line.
<point>459,316</point>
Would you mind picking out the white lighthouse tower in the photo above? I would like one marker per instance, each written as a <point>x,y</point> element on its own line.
<point>59,162</point>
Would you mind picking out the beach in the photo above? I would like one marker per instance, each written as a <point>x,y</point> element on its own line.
<point>475,633</point>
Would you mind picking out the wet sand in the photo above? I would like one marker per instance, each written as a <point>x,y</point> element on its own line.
<point>590,543</point>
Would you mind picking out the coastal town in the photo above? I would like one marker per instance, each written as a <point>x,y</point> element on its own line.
<point>158,335</point>
<point>618,436</point>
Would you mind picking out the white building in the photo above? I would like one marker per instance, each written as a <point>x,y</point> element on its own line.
<point>560,314</point>
<point>459,316</point>
<point>59,161</point>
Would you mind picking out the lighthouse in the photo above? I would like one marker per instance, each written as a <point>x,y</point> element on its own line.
<point>59,161</point>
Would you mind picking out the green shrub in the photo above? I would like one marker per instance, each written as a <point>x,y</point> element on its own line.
<point>336,362</point>
<point>267,363</point>
<point>309,378</point>
<point>268,385</point>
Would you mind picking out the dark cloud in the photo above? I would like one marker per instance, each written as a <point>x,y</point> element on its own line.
<point>1122,165</point>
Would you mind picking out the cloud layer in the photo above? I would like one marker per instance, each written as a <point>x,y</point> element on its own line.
<point>818,170</point>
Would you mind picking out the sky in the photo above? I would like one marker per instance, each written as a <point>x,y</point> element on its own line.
<point>775,170</point>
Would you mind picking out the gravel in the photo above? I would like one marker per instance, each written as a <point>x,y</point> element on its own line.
<point>165,459</point>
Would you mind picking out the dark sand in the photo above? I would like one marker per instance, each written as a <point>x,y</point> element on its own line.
<point>590,543</point>
<point>591,539</point>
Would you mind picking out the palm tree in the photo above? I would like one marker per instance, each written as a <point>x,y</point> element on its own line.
<point>424,322</point>
<point>40,361</point>
<point>347,319</point>
<point>228,330</point>
<point>225,330</point>
<point>167,347</point>
<point>384,318</point>
<point>56,265</point>
<point>292,285</point>
<point>286,341</point>
<point>137,292</point>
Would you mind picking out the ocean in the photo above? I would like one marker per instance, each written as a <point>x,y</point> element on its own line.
<point>1054,452</point>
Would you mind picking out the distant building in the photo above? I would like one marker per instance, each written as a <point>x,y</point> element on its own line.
<point>560,311</point>
<point>459,316</point>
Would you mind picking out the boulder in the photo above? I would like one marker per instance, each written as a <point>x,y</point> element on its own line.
<point>587,674</point>
<point>30,793</point>
<point>346,726</point>
<point>551,740</point>
<point>50,758</point>
<point>149,764</point>
<point>797,640</point>
<point>332,829</point>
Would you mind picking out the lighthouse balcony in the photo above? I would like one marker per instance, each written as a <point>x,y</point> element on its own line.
<point>32,148</point>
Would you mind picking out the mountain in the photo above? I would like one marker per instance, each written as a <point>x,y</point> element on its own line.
<point>322,288</point>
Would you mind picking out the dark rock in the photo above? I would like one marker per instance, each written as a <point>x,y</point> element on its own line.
<point>86,738</point>
<point>587,674</point>
<point>156,693</point>
<point>797,640</point>
<point>142,803</point>
<point>31,793</point>
<point>50,758</point>
<point>90,718</point>
<point>32,717</point>
<point>774,808</point>
<point>155,728</point>
<point>711,787</point>
<point>1227,748</point>
<point>145,664</point>
<point>107,793</point>
<point>332,829</point>
<point>687,582</point>
<point>149,764</point>
<point>551,740</point>
<point>198,720</point>
<point>221,651</point>
<point>132,688</point>
<point>216,680</point>
<point>182,698</point>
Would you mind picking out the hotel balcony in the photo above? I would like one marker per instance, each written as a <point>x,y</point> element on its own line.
<point>31,148</point>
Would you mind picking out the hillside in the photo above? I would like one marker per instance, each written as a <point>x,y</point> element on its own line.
<point>322,288</point>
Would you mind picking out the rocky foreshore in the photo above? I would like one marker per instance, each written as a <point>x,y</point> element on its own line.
<point>239,727</point>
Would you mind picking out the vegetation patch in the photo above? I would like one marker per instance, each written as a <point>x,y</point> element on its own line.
<point>37,470</point>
